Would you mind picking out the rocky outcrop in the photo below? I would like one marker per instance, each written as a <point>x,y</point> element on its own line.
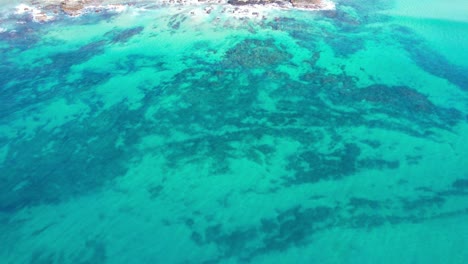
<point>258,2</point>
<point>313,4</point>
<point>309,4</point>
<point>46,10</point>
<point>72,8</point>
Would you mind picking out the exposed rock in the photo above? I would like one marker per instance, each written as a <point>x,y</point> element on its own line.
<point>72,8</point>
<point>45,10</point>
<point>305,4</point>
<point>258,2</point>
<point>313,4</point>
<point>41,17</point>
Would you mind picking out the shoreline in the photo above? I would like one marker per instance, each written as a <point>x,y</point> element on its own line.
<point>49,10</point>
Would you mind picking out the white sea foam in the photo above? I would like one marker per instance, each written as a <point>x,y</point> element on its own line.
<point>112,8</point>
<point>37,14</point>
<point>22,8</point>
<point>328,5</point>
<point>325,5</point>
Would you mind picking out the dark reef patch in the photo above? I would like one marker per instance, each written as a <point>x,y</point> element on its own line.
<point>294,226</point>
<point>254,53</point>
<point>460,184</point>
<point>93,252</point>
<point>87,81</point>
<point>310,166</point>
<point>65,60</point>
<point>392,96</point>
<point>25,36</point>
<point>304,112</point>
<point>291,227</point>
<point>357,203</point>
<point>345,45</point>
<point>135,62</point>
<point>423,202</point>
<point>429,59</point>
<point>298,225</point>
<point>123,35</point>
<point>302,32</point>
<point>54,167</point>
<point>399,102</point>
<point>42,257</point>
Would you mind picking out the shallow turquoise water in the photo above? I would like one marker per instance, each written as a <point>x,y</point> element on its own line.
<point>158,136</point>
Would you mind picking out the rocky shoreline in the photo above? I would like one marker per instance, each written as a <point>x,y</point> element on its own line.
<point>46,10</point>
<point>306,4</point>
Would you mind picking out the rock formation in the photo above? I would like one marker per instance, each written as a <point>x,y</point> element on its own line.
<point>314,4</point>
<point>309,4</point>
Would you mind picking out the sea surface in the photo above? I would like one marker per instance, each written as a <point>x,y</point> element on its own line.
<point>192,134</point>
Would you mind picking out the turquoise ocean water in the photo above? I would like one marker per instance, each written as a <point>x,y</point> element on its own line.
<point>164,134</point>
